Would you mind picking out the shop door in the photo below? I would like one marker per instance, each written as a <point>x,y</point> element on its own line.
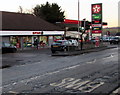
<point>33,39</point>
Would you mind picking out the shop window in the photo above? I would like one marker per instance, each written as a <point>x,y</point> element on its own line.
<point>44,39</point>
<point>57,38</point>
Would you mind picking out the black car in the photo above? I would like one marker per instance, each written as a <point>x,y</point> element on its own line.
<point>8,48</point>
<point>115,40</point>
<point>62,45</point>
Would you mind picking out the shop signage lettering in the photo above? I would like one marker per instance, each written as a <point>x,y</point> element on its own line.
<point>96,16</point>
<point>36,32</point>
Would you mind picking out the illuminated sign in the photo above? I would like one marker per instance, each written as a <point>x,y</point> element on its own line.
<point>96,25</point>
<point>97,31</point>
<point>96,28</point>
<point>96,18</point>
<point>96,8</point>
<point>96,21</point>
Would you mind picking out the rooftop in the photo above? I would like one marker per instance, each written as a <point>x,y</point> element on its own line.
<point>26,22</point>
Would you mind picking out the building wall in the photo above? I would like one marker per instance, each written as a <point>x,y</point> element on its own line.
<point>6,39</point>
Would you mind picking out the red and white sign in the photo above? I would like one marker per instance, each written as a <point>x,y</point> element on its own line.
<point>96,8</point>
<point>96,25</point>
<point>97,31</point>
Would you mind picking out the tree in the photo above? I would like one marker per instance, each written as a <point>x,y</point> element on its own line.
<point>49,12</point>
<point>20,9</point>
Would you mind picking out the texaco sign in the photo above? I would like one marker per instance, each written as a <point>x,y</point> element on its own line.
<point>96,8</point>
<point>96,12</point>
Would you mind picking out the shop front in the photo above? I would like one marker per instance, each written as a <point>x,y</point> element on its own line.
<point>22,39</point>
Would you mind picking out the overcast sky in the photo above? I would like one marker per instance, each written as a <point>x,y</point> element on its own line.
<point>110,8</point>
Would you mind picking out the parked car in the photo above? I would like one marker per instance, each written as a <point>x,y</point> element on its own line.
<point>74,42</point>
<point>114,40</point>
<point>8,48</point>
<point>93,40</point>
<point>62,45</point>
<point>106,39</point>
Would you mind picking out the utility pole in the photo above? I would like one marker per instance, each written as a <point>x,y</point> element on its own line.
<point>78,17</point>
<point>78,25</point>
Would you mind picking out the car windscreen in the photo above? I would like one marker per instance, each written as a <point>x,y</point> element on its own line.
<point>115,38</point>
<point>60,42</point>
<point>6,44</point>
<point>57,43</point>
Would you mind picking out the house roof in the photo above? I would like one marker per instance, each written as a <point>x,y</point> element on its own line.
<point>26,22</point>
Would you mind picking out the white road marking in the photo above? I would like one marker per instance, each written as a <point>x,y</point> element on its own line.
<point>109,57</point>
<point>13,92</point>
<point>70,82</point>
<point>77,84</point>
<point>91,62</point>
<point>80,84</point>
<point>116,91</point>
<point>92,87</point>
<point>66,80</point>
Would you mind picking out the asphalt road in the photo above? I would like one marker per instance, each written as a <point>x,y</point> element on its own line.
<point>95,72</point>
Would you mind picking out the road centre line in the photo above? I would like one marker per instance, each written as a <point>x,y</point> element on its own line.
<point>91,62</point>
<point>108,57</point>
<point>13,92</point>
<point>46,74</point>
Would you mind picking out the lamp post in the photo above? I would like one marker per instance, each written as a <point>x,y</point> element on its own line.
<point>78,25</point>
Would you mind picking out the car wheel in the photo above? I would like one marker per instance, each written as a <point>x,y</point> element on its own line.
<point>14,50</point>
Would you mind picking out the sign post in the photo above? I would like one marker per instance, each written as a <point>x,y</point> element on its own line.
<point>96,18</point>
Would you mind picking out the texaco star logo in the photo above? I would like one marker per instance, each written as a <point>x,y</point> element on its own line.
<point>96,9</point>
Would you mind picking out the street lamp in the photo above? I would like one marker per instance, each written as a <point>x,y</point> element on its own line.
<point>78,25</point>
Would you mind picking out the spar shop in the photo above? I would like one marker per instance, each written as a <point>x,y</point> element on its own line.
<point>22,30</point>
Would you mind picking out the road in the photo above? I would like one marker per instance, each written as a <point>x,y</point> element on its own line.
<point>95,72</point>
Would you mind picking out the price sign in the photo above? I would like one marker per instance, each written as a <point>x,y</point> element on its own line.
<point>96,18</point>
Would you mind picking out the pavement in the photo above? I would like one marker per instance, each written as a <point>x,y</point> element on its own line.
<point>12,58</point>
<point>78,52</point>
